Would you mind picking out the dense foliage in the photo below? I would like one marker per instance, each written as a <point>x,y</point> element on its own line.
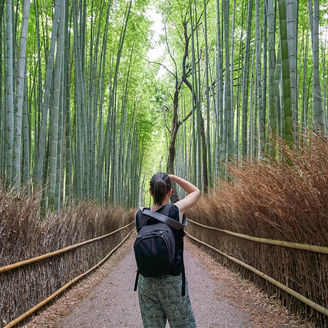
<point>253,70</point>
<point>75,93</point>
<point>86,113</point>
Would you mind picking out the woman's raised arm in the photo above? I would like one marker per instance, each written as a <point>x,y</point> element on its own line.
<point>192,191</point>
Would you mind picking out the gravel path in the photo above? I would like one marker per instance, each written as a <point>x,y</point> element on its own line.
<point>220,298</point>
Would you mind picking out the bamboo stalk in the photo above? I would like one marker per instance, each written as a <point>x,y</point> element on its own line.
<point>305,247</point>
<point>288,290</point>
<point>60,290</point>
<point>60,251</point>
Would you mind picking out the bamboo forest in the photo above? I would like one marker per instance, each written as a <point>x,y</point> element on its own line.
<point>96,96</point>
<point>85,113</point>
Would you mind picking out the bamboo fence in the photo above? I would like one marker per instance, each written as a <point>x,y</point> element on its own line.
<point>235,248</point>
<point>306,247</point>
<point>56,256</point>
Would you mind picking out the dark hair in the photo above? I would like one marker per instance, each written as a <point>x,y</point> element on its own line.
<point>160,185</point>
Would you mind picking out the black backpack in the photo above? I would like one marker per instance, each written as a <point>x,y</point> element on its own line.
<point>154,247</point>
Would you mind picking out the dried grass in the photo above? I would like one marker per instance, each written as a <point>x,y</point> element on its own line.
<point>286,201</point>
<point>24,235</point>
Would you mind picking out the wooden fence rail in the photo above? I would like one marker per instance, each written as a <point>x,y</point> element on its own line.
<point>67,285</point>
<point>312,248</point>
<point>305,247</point>
<point>60,251</point>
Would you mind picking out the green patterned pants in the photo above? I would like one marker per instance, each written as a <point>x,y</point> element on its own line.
<point>160,300</point>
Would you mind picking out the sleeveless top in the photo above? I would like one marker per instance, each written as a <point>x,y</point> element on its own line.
<point>172,211</point>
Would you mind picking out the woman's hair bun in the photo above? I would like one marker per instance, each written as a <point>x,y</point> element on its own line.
<point>160,185</point>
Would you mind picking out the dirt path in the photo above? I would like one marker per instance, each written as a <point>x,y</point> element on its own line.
<point>220,299</point>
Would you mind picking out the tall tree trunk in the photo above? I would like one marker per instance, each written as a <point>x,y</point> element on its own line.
<point>26,138</point>
<point>318,116</point>
<point>208,135</point>
<point>292,55</point>
<point>258,85</point>
<point>272,65</point>
<point>240,78</point>
<point>81,93</point>
<point>174,130</point>
<point>246,80</point>
<point>59,168</point>
<point>100,159</point>
<point>112,91</point>
<point>263,112</point>
<point>20,95</point>
<point>227,87</point>
<point>10,93</point>
<point>39,166</point>
<point>67,115</point>
<point>54,114</point>
<point>287,107</point>
<point>176,123</point>
<point>2,99</point>
<point>304,93</point>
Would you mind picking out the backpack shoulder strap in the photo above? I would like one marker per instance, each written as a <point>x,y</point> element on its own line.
<point>164,219</point>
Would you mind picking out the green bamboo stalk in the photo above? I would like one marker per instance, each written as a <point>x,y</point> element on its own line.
<point>240,78</point>
<point>79,44</point>
<point>59,168</point>
<point>2,98</point>
<point>232,78</point>
<point>258,115</point>
<point>227,88</point>
<point>207,86</point>
<point>304,93</point>
<point>39,166</point>
<point>10,94</point>
<point>20,96</point>
<point>277,94</point>
<point>292,22</point>
<point>67,114</point>
<point>246,80</point>
<point>252,116</point>
<point>100,146</point>
<point>54,113</point>
<point>287,107</point>
<point>263,114</point>
<point>26,138</point>
<point>318,116</point>
<point>272,64</point>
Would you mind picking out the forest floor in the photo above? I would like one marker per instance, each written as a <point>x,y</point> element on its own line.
<point>219,297</point>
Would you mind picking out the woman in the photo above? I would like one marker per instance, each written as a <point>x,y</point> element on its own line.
<point>160,298</point>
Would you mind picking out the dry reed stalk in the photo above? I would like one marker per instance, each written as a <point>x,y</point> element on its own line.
<point>283,201</point>
<point>24,235</point>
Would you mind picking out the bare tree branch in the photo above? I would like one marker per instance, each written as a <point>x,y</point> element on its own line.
<point>185,55</point>
<point>187,116</point>
<point>169,51</point>
<point>165,122</point>
<point>152,62</point>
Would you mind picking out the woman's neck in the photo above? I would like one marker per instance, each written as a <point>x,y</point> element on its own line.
<point>155,207</point>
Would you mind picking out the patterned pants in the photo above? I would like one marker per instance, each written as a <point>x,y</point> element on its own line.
<point>160,300</point>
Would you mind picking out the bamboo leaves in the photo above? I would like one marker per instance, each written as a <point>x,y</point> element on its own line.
<point>81,108</point>
<point>56,103</point>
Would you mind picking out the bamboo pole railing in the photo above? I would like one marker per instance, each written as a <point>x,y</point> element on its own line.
<point>60,251</point>
<point>305,247</point>
<point>70,283</point>
<point>288,290</point>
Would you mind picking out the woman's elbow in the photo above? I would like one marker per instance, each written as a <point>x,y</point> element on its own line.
<point>197,193</point>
